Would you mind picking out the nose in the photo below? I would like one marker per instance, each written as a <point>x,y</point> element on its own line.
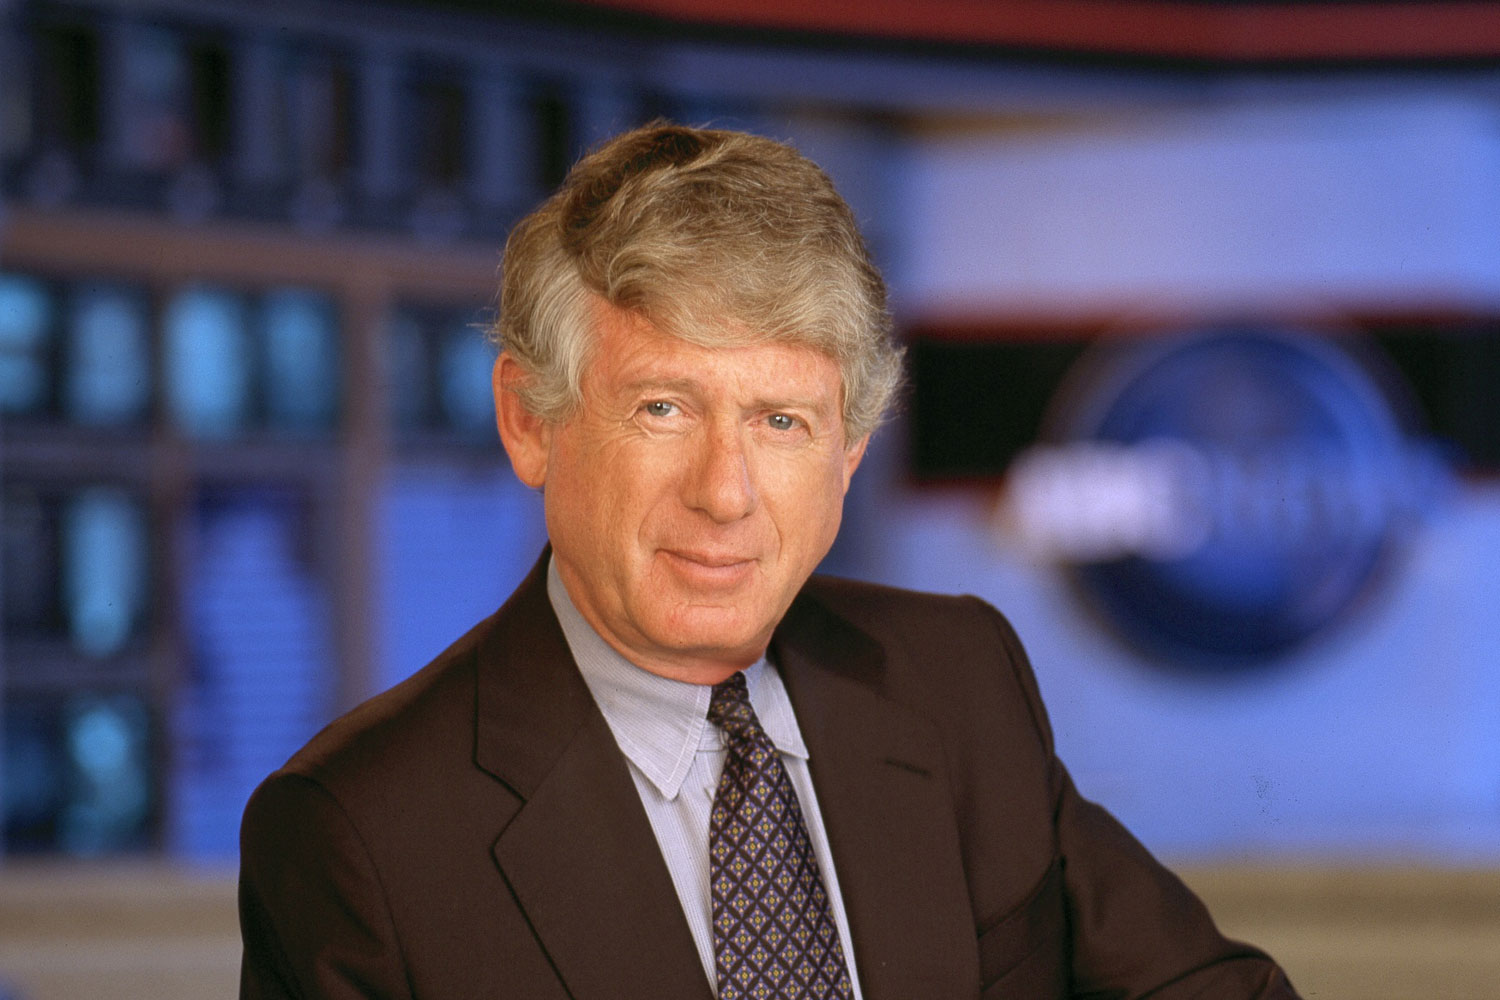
<point>720,482</point>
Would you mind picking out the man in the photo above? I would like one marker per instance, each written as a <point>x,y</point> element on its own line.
<point>673,765</point>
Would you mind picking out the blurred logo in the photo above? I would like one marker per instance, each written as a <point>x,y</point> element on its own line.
<point>1224,495</point>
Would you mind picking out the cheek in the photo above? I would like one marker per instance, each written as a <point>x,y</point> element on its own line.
<point>637,505</point>
<point>811,505</point>
<point>598,486</point>
<point>578,498</point>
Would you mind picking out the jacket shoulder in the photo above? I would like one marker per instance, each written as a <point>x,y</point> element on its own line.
<point>423,714</point>
<point>955,655</point>
<point>893,614</point>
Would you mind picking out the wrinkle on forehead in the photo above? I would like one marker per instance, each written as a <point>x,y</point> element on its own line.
<point>683,368</point>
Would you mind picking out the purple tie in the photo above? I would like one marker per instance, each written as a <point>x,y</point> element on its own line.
<point>774,935</point>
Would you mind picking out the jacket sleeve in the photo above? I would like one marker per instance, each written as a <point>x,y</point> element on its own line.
<point>1135,930</point>
<point>313,914</point>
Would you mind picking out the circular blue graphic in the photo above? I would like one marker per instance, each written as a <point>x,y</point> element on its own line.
<point>1293,471</point>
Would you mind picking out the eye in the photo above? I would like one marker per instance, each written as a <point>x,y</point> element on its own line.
<point>781,422</point>
<point>660,408</point>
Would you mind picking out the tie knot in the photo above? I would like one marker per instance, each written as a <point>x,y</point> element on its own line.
<point>729,706</point>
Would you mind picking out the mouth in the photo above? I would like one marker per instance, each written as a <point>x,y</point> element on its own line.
<point>708,559</point>
<point>709,568</point>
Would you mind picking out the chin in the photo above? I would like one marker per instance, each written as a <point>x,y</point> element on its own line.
<point>715,632</point>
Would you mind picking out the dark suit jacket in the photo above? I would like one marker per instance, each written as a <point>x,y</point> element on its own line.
<point>475,833</point>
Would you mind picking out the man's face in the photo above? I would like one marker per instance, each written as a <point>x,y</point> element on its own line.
<point>692,493</point>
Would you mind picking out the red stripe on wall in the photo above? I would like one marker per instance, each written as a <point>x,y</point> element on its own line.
<point>1243,32</point>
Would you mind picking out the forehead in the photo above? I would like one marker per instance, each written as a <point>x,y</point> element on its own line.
<point>629,353</point>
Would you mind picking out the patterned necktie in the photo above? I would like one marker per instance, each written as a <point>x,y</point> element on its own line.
<point>774,935</point>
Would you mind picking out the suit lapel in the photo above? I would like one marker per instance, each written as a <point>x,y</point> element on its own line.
<point>883,793</point>
<point>579,855</point>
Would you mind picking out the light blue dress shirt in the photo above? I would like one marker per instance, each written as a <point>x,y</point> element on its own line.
<point>676,756</point>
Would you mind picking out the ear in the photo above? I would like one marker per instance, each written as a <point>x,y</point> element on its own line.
<point>852,457</point>
<point>527,437</point>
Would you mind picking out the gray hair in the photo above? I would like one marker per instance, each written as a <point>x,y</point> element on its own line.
<point>719,238</point>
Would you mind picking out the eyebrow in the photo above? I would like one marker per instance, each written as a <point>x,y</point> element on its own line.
<point>684,385</point>
<point>791,404</point>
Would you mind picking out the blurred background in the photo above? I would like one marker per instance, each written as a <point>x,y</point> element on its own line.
<point>1202,309</point>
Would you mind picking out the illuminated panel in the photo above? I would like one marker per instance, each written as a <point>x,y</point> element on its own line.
<point>1223,495</point>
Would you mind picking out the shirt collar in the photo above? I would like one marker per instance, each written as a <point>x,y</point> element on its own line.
<point>660,723</point>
